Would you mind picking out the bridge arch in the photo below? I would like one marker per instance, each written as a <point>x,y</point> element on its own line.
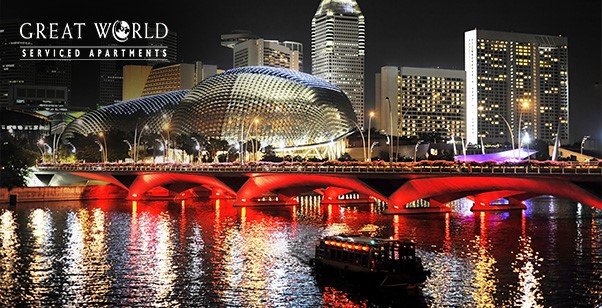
<point>470,185</point>
<point>258,185</point>
<point>145,182</point>
<point>101,176</point>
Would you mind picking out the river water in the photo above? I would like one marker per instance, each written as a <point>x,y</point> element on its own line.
<point>209,254</point>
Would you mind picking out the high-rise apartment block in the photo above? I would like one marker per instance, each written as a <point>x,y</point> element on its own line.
<point>251,50</point>
<point>420,101</point>
<point>337,49</point>
<point>517,85</point>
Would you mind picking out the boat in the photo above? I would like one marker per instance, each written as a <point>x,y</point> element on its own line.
<point>383,262</point>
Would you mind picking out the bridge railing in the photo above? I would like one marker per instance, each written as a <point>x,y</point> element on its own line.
<point>583,168</point>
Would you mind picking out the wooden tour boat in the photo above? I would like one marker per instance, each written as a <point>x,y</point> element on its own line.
<point>386,262</point>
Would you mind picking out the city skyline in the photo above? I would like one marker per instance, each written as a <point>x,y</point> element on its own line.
<point>397,34</point>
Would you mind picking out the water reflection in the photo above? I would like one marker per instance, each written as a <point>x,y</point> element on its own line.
<point>208,253</point>
<point>40,269</point>
<point>9,254</point>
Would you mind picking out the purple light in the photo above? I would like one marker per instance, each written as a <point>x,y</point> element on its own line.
<point>510,155</point>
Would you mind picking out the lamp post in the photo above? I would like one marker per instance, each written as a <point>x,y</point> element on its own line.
<point>167,150</point>
<point>363,140</point>
<point>41,148</point>
<point>416,149</point>
<point>255,121</point>
<point>583,143</point>
<point>137,141</point>
<point>524,105</point>
<point>74,149</point>
<point>369,129</point>
<point>105,153</point>
<point>255,141</point>
<point>55,145</point>
<point>390,131</point>
<point>101,150</point>
<point>129,147</point>
<point>527,140</point>
<point>480,108</point>
<point>197,147</point>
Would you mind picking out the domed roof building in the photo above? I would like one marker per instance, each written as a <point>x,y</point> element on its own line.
<point>150,111</point>
<point>279,107</point>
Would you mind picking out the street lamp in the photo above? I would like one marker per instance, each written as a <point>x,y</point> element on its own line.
<point>583,143</point>
<point>197,147</point>
<point>255,121</point>
<point>41,148</point>
<point>101,150</point>
<point>524,105</point>
<point>369,129</point>
<point>509,129</point>
<point>363,140</point>
<point>137,141</point>
<point>167,151</point>
<point>390,130</point>
<point>129,147</point>
<point>74,149</point>
<point>527,140</point>
<point>416,149</point>
<point>106,153</point>
<point>55,145</point>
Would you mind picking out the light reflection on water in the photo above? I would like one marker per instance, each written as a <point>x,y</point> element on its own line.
<point>211,254</point>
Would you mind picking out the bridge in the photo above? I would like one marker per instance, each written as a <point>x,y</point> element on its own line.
<point>397,184</point>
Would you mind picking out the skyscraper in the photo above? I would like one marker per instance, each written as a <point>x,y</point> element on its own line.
<point>517,85</point>
<point>20,75</point>
<point>337,49</point>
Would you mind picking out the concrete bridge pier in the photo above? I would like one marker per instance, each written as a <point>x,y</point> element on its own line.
<point>434,207</point>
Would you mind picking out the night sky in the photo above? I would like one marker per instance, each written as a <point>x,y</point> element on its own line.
<point>398,33</point>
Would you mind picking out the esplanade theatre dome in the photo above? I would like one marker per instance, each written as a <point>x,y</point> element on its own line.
<point>279,107</point>
<point>150,112</point>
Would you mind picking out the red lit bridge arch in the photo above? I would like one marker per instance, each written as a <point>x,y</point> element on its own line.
<point>396,184</point>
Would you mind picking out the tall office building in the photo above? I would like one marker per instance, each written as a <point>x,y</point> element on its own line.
<point>337,49</point>
<point>517,84</point>
<point>38,76</point>
<point>422,101</point>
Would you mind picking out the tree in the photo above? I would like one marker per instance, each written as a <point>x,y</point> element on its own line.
<point>270,155</point>
<point>88,148</point>
<point>542,149</point>
<point>16,159</point>
<point>346,157</point>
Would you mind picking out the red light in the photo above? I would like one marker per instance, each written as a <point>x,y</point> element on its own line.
<point>183,194</point>
<point>134,195</point>
<point>217,194</point>
<point>243,200</point>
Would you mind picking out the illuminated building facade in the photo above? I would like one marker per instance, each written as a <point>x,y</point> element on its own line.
<point>337,49</point>
<point>519,81</point>
<point>111,79</point>
<point>139,81</point>
<point>252,51</point>
<point>126,115</point>
<point>423,101</point>
<point>292,109</point>
<point>18,74</point>
<point>289,110</point>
